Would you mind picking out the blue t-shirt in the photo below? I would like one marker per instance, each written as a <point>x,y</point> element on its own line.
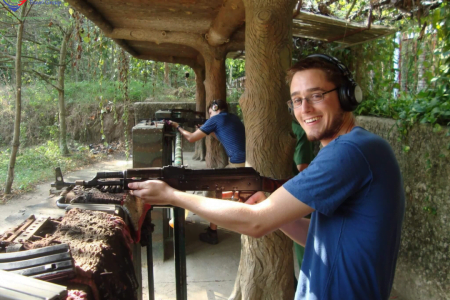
<point>230,132</point>
<point>355,186</point>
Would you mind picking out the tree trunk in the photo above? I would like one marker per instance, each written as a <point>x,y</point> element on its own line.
<point>230,77</point>
<point>200,105</point>
<point>421,80</point>
<point>360,67</point>
<point>215,87</point>
<point>16,138</point>
<point>405,45</point>
<point>62,107</point>
<point>167,74</point>
<point>175,79</point>
<point>73,55</point>
<point>112,64</point>
<point>266,269</point>
<point>215,82</point>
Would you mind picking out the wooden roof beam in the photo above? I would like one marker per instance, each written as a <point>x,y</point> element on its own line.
<point>230,17</point>
<point>92,14</point>
<point>171,59</point>
<point>192,40</point>
<point>124,45</point>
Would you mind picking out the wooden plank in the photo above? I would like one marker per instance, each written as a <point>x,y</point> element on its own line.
<point>308,25</point>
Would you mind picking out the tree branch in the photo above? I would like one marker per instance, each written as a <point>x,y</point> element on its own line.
<point>46,78</point>
<point>350,9</point>
<point>30,57</point>
<point>9,24</point>
<point>36,42</point>
<point>329,2</point>
<point>9,41</point>
<point>43,75</point>
<point>31,6</point>
<point>12,13</point>
<point>8,56</point>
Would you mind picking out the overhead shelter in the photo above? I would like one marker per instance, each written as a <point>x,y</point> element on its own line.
<point>188,32</point>
<point>200,34</point>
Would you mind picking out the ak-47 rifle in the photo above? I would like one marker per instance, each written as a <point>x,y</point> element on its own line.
<point>181,116</point>
<point>243,182</point>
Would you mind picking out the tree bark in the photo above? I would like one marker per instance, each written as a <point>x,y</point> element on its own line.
<point>266,268</point>
<point>18,113</point>
<point>200,105</point>
<point>230,17</point>
<point>62,107</point>
<point>215,82</point>
<point>359,67</point>
<point>215,86</point>
<point>112,64</point>
<point>167,74</point>
<point>421,81</point>
<point>230,78</point>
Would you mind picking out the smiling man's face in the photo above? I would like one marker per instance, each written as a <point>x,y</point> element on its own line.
<point>321,121</point>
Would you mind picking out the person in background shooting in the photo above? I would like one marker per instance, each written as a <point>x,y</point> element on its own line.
<point>353,188</point>
<point>229,130</point>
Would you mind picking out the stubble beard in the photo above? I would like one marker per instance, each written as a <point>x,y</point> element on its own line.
<point>329,132</point>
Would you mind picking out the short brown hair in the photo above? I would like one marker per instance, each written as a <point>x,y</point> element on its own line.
<point>332,72</point>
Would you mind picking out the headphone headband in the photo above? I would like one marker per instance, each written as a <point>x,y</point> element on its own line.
<point>350,94</point>
<point>336,62</point>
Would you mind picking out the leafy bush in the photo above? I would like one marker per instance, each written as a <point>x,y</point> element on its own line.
<point>36,164</point>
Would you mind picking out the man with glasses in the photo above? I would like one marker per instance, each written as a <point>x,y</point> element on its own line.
<point>353,188</point>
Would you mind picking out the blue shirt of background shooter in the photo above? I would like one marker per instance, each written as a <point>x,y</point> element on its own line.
<point>355,187</point>
<point>230,131</point>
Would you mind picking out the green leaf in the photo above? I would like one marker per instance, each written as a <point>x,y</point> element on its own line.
<point>437,128</point>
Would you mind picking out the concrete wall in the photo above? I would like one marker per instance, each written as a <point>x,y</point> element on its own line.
<point>423,267</point>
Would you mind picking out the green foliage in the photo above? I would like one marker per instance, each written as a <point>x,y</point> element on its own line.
<point>36,164</point>
<point>236,67</point>
<point>234,94</point>
<point>411,104</point>
<point>107,90</point>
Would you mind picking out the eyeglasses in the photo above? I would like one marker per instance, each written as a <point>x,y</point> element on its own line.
<point>311,99</point>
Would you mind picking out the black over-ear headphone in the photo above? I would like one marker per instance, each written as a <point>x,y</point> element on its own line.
<point>350,94</point>
<point>215,106</point>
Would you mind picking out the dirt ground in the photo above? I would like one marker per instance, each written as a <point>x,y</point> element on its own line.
<point>41,203</point>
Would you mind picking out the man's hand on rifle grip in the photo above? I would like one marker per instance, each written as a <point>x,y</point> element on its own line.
<point>256,198</point>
